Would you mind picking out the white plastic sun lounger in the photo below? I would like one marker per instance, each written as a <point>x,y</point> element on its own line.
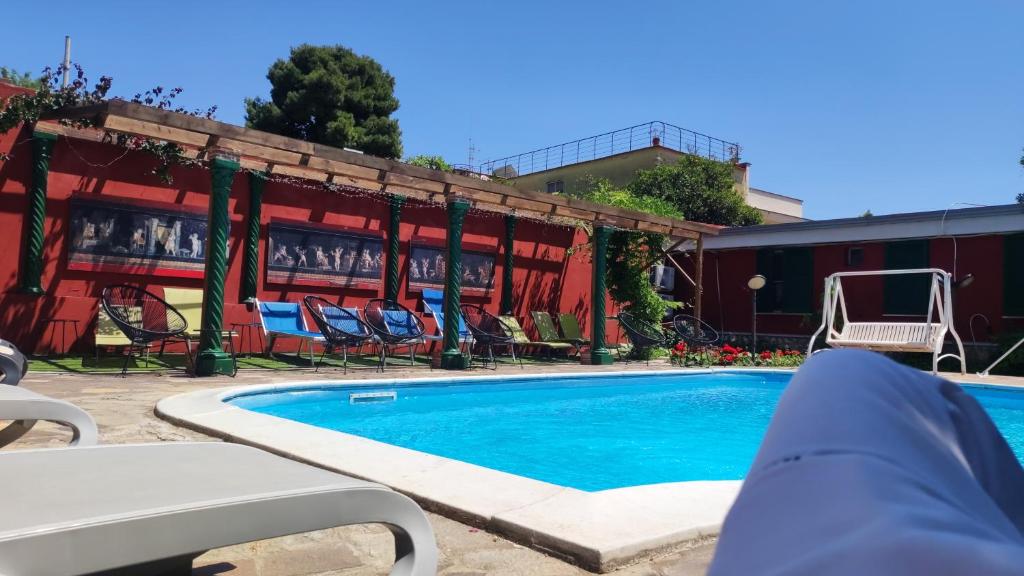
<point>152,508</point>
<point>927,336</point>
<point>25,407</point>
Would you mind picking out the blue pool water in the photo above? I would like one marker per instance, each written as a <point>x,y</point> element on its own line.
<point>590,433</point>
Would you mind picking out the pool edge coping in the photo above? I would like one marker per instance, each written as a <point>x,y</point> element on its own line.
<point>599,531</point>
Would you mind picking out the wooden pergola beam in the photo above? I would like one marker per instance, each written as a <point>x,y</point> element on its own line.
<point>298,158</point>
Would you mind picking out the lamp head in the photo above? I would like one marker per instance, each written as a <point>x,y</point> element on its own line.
<point>964,282</point>
<point>756,282</point>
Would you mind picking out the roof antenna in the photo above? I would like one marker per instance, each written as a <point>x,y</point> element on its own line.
<point>66,67</point>
<point>472,154</point>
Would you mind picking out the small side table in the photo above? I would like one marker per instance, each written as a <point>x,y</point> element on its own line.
<point>248,329</point>
<point>63,324</point>
<point>225,336</point>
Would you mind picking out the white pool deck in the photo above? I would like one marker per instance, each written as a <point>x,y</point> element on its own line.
<point>597,530</point>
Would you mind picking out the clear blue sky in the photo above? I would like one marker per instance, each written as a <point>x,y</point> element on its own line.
<point>877,104</point>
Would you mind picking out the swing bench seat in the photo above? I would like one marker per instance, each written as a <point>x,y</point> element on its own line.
<point>928,336</point>
<point>888,336</point>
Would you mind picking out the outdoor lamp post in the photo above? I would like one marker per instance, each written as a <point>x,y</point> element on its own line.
<point>755,283</point>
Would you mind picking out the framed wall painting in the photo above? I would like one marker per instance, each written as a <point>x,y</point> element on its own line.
<point>427,266</point>
<point>314,255</point>
<point>136,237</point>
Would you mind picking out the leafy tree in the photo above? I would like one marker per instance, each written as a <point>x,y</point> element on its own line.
<point>700,188</point>
<point>23,79</point>
<point>330,95</point>
<point>867,214</point>
<point>432,162</point>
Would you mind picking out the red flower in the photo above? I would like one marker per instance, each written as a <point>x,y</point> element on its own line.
<point>793,353</point>
<point>681,346</point>
<point>727,349</point>
<point>766,355</point>
<point>729,357</point>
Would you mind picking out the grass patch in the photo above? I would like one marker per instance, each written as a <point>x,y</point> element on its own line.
<point>111,364</point>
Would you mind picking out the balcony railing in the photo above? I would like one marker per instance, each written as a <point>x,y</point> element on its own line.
<point>611,143</point>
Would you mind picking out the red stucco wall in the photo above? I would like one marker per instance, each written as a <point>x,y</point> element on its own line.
<point>545,278</point>
<point>727,271</point>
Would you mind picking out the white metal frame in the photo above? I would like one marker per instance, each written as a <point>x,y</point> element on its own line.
<point>928,336</point>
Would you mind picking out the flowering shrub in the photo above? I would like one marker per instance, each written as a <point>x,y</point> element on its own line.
<point>729,355</point>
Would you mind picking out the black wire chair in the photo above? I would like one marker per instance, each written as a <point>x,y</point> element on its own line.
<point>342,328</point>
<point>395,325</point>
<point>488,331</point>
<point>641,334</point>
<point>696,333</point>
<point>144,319</point>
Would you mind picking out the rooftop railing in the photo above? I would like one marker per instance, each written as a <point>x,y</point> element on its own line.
<point>611,143</point>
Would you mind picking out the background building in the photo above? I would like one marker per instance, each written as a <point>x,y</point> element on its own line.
<point>618,155</point>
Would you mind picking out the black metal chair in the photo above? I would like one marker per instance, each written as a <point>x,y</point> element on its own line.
<point>342,328</point>
<point>395,325</point>
<point>488,331</point>
<point>144,318</point>
<point>641,334</point>
<point>696,333</point>
<point>693,331</point>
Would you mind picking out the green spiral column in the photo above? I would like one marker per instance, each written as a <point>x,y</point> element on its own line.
<point>35,215</point>
<point>451,357</point>
<point>506,273</point>
<point>251,257</point>
<point>391,281</point>
<point>211,358</point>
<point>599,354</point>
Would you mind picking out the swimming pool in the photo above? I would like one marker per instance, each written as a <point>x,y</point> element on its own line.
<point>590,432</point>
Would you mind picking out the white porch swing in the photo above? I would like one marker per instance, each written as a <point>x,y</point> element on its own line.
<point>927,336</point>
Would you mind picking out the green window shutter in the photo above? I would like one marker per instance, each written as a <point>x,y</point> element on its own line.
<point>798,268</point>
<point>907,294</point>
<point>767,300</point>
<point>1013,275</point>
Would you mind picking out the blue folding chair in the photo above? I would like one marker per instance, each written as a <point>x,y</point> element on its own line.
<point>433,304</point>
<point>285,320</point>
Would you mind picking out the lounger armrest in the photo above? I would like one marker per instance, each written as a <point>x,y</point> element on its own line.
<point>26,407</point>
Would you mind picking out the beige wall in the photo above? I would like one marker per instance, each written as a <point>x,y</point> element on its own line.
<point>620,170</point>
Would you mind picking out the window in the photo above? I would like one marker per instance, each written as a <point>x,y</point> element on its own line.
<point>1013,275</point>
<point>906,294</point>
<point>790,280</point>
<point>854,256</point>
<point>556,186</point>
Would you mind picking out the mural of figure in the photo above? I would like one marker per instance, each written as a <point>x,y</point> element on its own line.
<point>197,246</point>
<point>337,252</point>
<point>106,229</point>
<point>301,253</point>
<point>377,261</point>
<point>281,256</point>
<point>482,275</point>
<point>428,274</point>
<point>440,266</point>
<point>365,261</point>
<point>414,270</point>
<point>138,241</point>
<point>321,258</point>
<point>170,241</point>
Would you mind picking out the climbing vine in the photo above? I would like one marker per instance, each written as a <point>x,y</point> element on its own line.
<point>630,253</point>
<point>51,99</point>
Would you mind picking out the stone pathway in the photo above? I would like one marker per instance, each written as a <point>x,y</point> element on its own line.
<point>123,408</point>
